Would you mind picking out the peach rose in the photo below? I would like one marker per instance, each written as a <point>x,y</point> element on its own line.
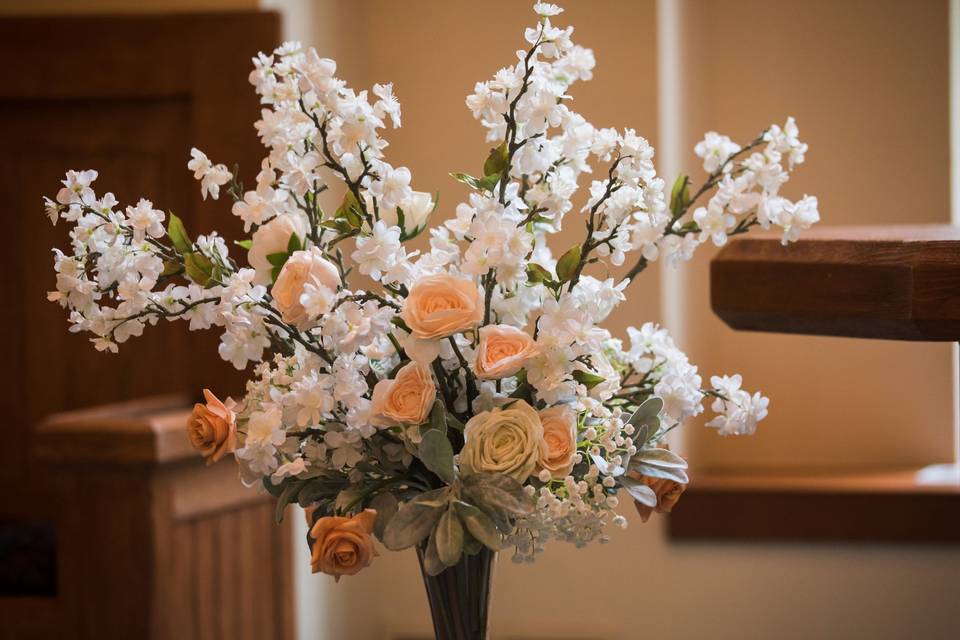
<point>342,546</point>
<point>502,351</point>
<point>560,435</point>
<point>668,493</point>
<point>212,427</point>
<point>441,305</point>
<point>273,237</point>
<point>507,441</point>
<point>301,268</point>
<point>407,399</point>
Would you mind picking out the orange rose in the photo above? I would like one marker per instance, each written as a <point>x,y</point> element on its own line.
<point>668,493</point>
<point>342,546</point>
<point>441,305</point>
<point>407,399</point>
<point>212,427</point>
<point>502,351</point>
<point>560,435</point>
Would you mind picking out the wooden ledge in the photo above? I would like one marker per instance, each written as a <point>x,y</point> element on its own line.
<point>149,430</point>
<point>887,506</point>
<point>884,282</point>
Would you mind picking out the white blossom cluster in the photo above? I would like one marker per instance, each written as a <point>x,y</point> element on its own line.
<point>748,189</point>
<point>327,353</point>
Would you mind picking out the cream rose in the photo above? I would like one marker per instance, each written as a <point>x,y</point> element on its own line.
<point>342,546</point>
<point>442,305</point>
<point>502,351</point>
<point>560,436</point>
<point>416,210</point>
<point>508,441</point>
<point>407,399</point>
<point>273,237</point>
<point>212,427</point>
<point>301,268</point>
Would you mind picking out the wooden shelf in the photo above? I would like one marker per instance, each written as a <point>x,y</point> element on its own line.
<point>887,506</point>
<point>889,282</point>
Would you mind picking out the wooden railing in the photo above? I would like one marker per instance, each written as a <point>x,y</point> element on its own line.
<point>154,544</point>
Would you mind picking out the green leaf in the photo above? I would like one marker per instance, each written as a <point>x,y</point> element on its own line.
<point>471,546</point>
<point>438,417</point>
<point>478,524</point>
<point>536,273</point>
<point>347,498</point>
<point>499,491</point>
<point>453,423</point>
<point>677,475</point>
<point>648,413</point>
<point>353,217</point>
<point>680,195</point>
<point>639,491</point>
<point>481,184</point>
<point>587,378</point>
<point>449,538</point>
<point>199,268</point>
<point>489,182</point>
<point>289,494</point>
<point>414,521</point>
<point>431,559</point>
<point>386,506</point>
<point>434,498</point>
<point>313,491</point>
<point>436,453</point>
<point>278,259</point>
<point>350,211</point>
<point>340,225</point>
<point>245,244</point>
<point>465,179</point>
<point>178,235</point>
<point>567,264</point>
<point>273,489</point>
<point>294,243</point>
<point>646,420</point>
<point>496,161</point>
<point>658,457</point>
<point>171,267</point>
<point>522,392</point>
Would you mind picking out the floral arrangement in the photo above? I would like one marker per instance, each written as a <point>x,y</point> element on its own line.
<point>462,398</point>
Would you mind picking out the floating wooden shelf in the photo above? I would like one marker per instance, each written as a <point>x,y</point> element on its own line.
<point>880,507</point>
<point>885,282</point>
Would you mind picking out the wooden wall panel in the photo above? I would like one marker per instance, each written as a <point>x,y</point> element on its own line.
<point>127,96</point>
<point>149,551</point>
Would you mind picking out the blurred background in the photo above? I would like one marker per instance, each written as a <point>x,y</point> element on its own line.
<point>869,82</point>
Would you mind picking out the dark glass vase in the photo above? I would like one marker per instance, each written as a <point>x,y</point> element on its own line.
<point>460,596</point>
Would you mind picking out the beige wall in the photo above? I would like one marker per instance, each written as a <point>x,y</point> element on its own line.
<point>867,82</point>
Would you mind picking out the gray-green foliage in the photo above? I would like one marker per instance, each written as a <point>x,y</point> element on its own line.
<point>415,520</point>
<point>651,461</point>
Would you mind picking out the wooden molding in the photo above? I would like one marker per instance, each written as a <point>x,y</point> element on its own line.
<point>885,282</point>
<point>152,430</point>
<point>867,507</point>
